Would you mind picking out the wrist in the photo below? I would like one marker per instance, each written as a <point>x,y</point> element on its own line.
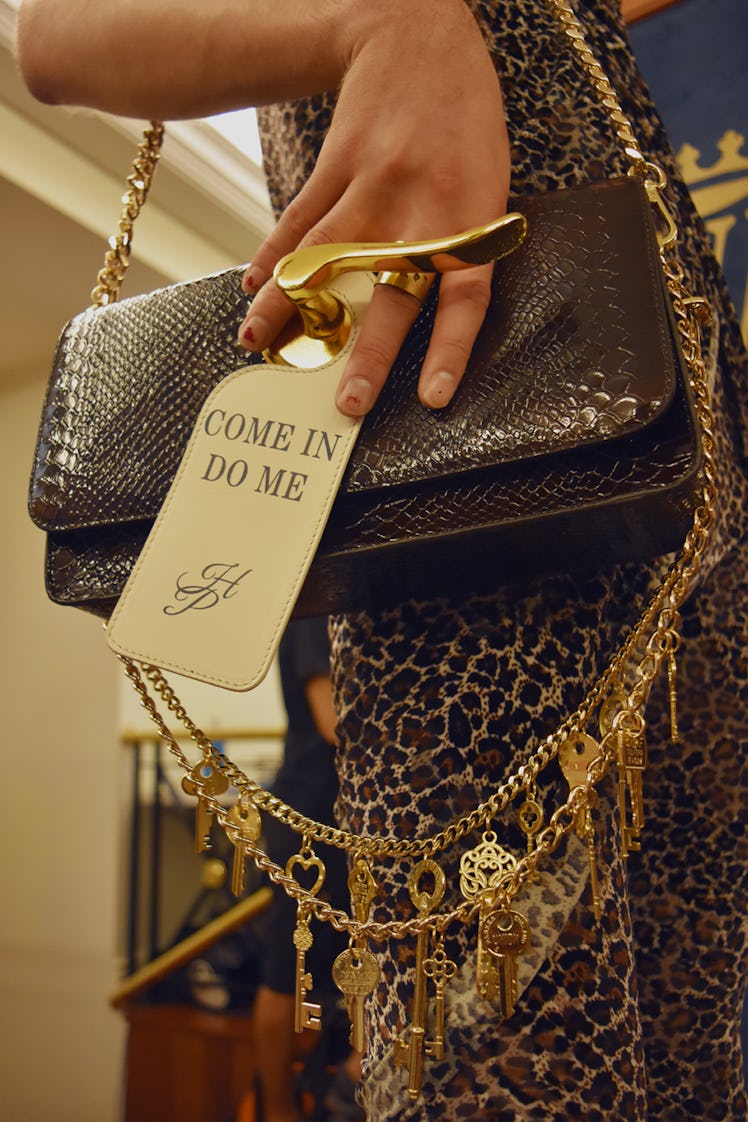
<point>406,21</point>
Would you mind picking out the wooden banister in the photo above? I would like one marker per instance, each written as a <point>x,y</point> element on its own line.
<point>192,946</point>
<point>634,10</point>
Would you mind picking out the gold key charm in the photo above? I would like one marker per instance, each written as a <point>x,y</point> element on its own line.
<point>356,973</point>
<point>631,751</point>
<point>592,856</point>
<point>246,825</point>
<point>409,1053</point>
<point>307,1014</point>
<point>672,690</point>
<point>574,757</point>
<point>530,818</point>
<point>440,970</point>
<point>487,981</point>
<point>632,757</point>
<point>505,935</point>
<point>205,778</point>
<point>362,887</point>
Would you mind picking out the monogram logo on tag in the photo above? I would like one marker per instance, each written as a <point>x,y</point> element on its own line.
<point>219,582</point>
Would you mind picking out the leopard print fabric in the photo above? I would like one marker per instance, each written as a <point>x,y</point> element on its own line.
<point>635,1017</point>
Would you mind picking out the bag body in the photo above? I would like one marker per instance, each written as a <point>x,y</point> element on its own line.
<point>570,443</point>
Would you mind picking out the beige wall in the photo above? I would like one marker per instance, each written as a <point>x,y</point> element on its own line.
<point>64,799</point>
<point>62,806</point>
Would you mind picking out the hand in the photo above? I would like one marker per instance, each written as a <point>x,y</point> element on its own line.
<point>417,149</point>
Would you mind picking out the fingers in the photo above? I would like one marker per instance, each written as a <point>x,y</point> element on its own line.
<point>302,224</point>
<point>389,318</point>
<point>464,298</point>
<point>268,313</point>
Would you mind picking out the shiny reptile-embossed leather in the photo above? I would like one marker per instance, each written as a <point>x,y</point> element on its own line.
<point>570,443</point>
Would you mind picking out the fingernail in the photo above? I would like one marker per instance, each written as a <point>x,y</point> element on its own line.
<point>254,333</point>
<point>354,397</point>
<point>439,389</point>
<point>253,280</point>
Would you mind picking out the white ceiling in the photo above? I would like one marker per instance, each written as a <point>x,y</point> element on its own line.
<point>62,175</point>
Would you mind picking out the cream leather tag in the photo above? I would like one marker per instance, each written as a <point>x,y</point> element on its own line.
<point>217,580</point>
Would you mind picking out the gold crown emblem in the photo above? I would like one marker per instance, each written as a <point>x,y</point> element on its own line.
<point>731,159</point>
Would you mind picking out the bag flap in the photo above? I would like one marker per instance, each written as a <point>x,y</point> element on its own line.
<point>127,384</point>
<point>574,351</point>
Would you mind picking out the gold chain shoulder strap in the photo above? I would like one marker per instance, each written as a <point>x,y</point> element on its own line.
<point>117,258</point>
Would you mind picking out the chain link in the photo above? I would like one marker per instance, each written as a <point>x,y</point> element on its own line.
<point>117,257</point>
<point>607,96</point>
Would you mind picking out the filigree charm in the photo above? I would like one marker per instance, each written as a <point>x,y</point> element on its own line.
<point>483,868</point>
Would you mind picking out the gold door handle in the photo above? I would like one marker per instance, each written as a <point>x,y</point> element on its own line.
<point>325,324</point>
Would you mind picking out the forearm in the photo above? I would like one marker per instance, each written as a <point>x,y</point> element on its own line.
<point>168,58</point>
<point>417,146</point>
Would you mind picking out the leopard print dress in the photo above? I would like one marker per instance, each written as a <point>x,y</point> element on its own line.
<point>635,1016</point>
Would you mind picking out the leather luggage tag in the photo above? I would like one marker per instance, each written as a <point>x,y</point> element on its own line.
<point>216,582</point>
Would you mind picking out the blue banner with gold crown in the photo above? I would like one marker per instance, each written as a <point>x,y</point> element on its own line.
<point>693,57</point>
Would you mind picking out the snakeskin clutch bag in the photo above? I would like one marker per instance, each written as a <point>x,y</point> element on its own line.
<point>570,444</point>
